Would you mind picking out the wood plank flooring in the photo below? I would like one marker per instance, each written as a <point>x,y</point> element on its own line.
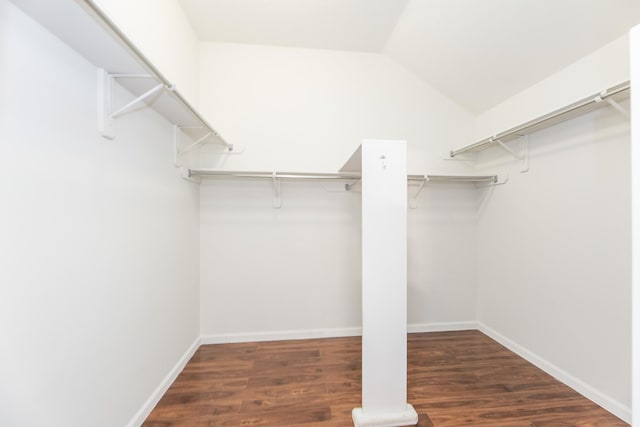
<point>454,379</point>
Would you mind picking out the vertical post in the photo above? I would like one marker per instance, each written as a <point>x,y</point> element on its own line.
<point>384,286</point>
<point>635,222</point>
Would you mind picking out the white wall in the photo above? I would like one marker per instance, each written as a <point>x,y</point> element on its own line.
<point>298,268</point>
<point>162,31</point>
<point>267,270</point>
<point>296,271</point>
<point>554,243</point>
<point>99,248</point>
<point>634,37</point>
<point>308,110</point>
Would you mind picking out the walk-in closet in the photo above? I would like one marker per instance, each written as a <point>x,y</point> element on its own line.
<point>319,213</point>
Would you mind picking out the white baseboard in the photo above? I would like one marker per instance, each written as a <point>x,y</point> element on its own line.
<point>162,388</point>
<point>280,335</point>
<point>326,333</point>
<point>616,408</point>
<point>414,328</point>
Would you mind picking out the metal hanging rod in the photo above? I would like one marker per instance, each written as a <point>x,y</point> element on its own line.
<point>333,176</point>
<point>104,19</point>
<point>462,178</point>
<point>271,175</point>
<point>560,114</point>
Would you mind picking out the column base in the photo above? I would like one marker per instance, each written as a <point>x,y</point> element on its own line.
<point>408,417</point>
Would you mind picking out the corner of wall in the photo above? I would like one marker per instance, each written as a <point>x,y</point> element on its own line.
<point>151,402</point>
<point>615,407</point>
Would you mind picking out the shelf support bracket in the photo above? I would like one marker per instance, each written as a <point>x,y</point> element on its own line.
<point>604,96</point>
<point>277,191</point>
<point>106,93</point>
<point>177,130</point>
<point>176,146</point>
<point>229,148</point>
<point>106,98</point>
<point>413,202</point>
<point>176,142</point>
<point>148,94</point>
<point>524,157</point>
<point>525,154</point>
<point>196,143</point>
<point>505,148</point>
<point>619,108</point>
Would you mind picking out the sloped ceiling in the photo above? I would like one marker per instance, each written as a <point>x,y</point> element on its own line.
<point>477,52</point>
<point>481,52</point>
<point>358,25</point>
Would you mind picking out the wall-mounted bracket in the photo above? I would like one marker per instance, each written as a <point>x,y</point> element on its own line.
<point>178,151</point>
<point>277,191</point>
<point>501,179</point>
<point>134,103</point>
<point>195,143</point>
<point>352,185</point>
<point>525,153</point>
<point>523,156</point>
<point>186,175</point>
<point>106,93</point>
<point>505,148</point>
<point>619,108</point>
<point>466,157</point>
<point>176,146</point>
<point>106,99</point>
<point>413,201</point>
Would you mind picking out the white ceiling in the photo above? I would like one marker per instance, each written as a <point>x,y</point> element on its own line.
<point>481,52</point>
<point>359,25</point>
<point>477,52</point>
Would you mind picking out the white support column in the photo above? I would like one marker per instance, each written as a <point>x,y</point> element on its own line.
<point>635,219</point>
<point>384,285</point>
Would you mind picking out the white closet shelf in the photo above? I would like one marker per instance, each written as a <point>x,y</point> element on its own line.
<point>606,97</point>
<point>208,173</point>
<point>85,27</point>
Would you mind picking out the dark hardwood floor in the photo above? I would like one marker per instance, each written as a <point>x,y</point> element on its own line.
<point>454,379</point>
